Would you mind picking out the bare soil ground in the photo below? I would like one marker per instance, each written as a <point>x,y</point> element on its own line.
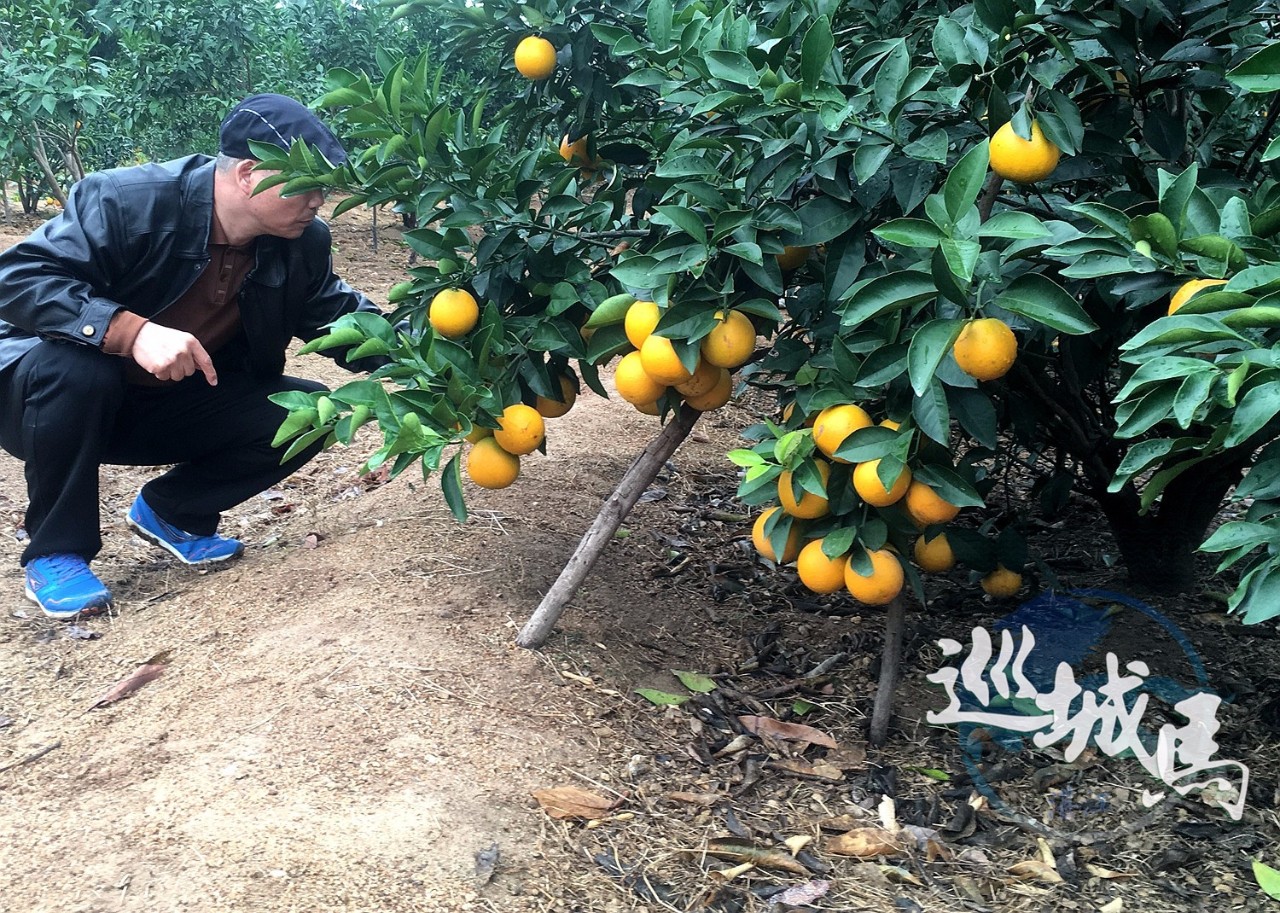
<point>344,722</point>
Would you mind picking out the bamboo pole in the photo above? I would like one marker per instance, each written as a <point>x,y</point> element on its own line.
<point>615,509</point>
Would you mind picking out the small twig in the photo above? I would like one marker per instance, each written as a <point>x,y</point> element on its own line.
<point>33,757</point>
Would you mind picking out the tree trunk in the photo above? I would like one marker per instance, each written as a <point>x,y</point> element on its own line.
<point>890,660</point>
<point>636,479</point>
<point>38,153</point>
<point>1159,548</point>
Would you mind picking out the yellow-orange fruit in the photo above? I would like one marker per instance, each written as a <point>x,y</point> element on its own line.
<point>790,549</point>
<point>731,342</point>
<point>986,348</point>
<point>818,572</point>
<point>792,257</point>
<point>927,507</point>
<point>1024,161</point>
<point>867,484</point>
<point>639,322</point>
<point>535,57</point>
<point>660,361</point>
<point>634,383</point>
<point>882,585</point>
<point>554,408</point>
<point>704,379</point>
<point>934,555</point>
<point>810,506</point>
<point>453,312</point>
<point>520,429</point>
<point>717,396</point>
<point>489,466</point>
<point>1002,582</point>
<point>834,424</point>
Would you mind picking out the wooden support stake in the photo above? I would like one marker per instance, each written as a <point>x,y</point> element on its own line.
<point>890,659</point>
<point>643,471</point>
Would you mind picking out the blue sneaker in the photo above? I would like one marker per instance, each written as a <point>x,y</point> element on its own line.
<point>187,548</point>
<point>64,587</point>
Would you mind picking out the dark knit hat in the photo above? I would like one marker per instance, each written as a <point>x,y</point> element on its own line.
<point>278,120</point>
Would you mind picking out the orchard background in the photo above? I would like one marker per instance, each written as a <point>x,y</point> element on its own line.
<point>956,233</point>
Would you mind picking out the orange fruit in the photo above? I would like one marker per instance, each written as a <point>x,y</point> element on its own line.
<point>934,555</point>
<point>554,408</point>
<point>717,396</point>
<point>1024,161</point>
<point>478,433</point>
<point>453,312</point>
<point>891,424</point>
<point>535,57</point>
<point>732,341</point>
<point>790,549</point>
<point>869,487</point>
<point>520,429</point>
<point>703,380</point>
<point>575,153</point>
<point>927,507</point>
<point>818,572</point>
<point>810,506</point>
<point>835,423</point>
<point>1187,289</point>
<point>986,348</point>
<point>641,318</point>
<point>489,466</point>
<point>1002,582</point>
<point>634,383</point>
<point>660,361</point>
<point>882,585</point>
<point>648,408</point>
<point>792,257</point>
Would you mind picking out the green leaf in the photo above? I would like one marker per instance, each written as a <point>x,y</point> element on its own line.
<point>931,772</point>
<point>1039,298</point>
<point>610,311</point>
<point>910,233</point>
<point>1113,220</point>
<point>1258,407</point>
<point>931,413</point>
<point>824,218</point>
<point>684,219</point>
<point>451,486</point>
<point>891,292</point>
<point>662,698</point>
<point>1158,231</point>
<point>929,345</point>
<point>1260,73</point>
<point>815,52</point>
<point>867,444</point>
<point>699,684</point>
<point>1011,224</point>
<point>949,485</point>
<point>964,183</point>
<point>659,23</point>
<point>961,257</point>
<point>1239,534</point>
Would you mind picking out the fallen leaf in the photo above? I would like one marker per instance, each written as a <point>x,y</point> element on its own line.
<point>572,802</point>
<point>864,842</point>
<point>793,732</point>
<point>746,851</point>
<point>842,823</point>
<point>802,768</point>
<point>662,698</point>
<point>797,843</point>
<point>799,894</point>
<point>739,743</point>
<point>1035,870</point>
<point>148,671</point>
<point>704,799</point>
<point>699,684</point>
<point>727,875</point>
<point>1098,871</point>
<point>1115,905</point>
<point>898,875</point>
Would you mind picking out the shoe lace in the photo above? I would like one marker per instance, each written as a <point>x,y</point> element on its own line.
<point>67,567</point>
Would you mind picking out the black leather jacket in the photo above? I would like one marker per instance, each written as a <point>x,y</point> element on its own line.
<point>137,238</point>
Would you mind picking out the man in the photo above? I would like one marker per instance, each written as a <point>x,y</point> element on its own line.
<point>147,325</point>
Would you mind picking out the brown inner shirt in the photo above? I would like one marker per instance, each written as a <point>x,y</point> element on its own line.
<point>209,310</point>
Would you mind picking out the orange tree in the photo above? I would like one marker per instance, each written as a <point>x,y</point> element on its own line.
<point>957,229</point>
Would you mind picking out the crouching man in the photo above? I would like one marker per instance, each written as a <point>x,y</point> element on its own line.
<point>147,325</point>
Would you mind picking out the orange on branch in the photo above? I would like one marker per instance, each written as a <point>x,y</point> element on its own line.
<point>986,348</point>
<point>934,555</point>
<point>810,506</point>
<point>1024,161</point>
<point>927,507</point>
<point>731,342</point>
<point>818,572</point>
<point>790,549</point>
<point>717,396</point>
<point>520,429</point>
<point>453,313</point>
<point>554,408</point>
<point>641,318</point>
<point>535,57</point>
<point>1002,583</point>
<point>661,362</point>
<point>634,383</point>
<point>884,582</point>
<point>866,482</point>
<point>489,466</point>
<point>834,424</point>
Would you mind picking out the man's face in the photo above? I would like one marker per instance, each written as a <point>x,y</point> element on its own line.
<point>284,217</point>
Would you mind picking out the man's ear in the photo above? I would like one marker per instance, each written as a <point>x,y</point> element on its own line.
<point>245,179</point>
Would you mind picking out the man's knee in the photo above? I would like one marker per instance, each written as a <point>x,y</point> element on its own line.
<point>64,370</point>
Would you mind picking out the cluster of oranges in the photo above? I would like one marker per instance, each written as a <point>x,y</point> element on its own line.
<point>927,509</point>
<point>654,368</point>
<point>494,460</point>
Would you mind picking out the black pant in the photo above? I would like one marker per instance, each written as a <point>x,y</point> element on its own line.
<point>65,410</point>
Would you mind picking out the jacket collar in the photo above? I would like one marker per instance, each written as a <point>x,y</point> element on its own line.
<point>197,212</point>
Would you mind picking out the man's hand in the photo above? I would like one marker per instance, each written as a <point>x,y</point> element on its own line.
<point>169,354</point>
